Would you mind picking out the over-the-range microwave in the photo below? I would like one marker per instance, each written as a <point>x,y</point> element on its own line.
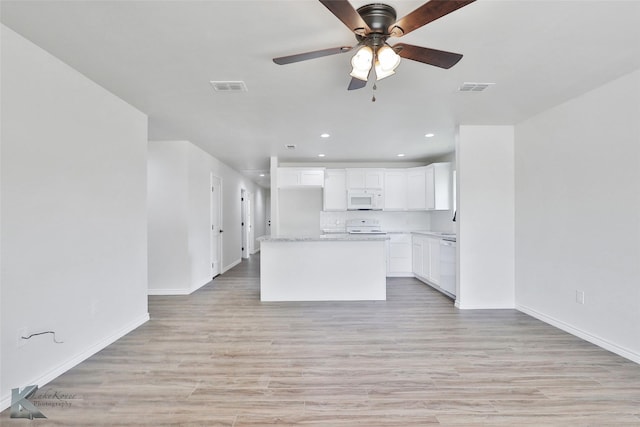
<point>358,200</point>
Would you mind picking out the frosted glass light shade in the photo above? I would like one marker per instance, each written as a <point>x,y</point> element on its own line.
<point>361,63</point>
<point>386,63</point>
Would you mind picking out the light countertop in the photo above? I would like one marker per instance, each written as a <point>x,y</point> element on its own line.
<point>334,237</point>
<point>438,234</point>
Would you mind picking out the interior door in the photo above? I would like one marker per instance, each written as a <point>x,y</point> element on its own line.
<point>244,224</point>
<point>249,228</point>
<point>216,226</point>
<point>267,224</point>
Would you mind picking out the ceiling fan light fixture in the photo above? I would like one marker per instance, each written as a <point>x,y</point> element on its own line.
<point>387,60</point>
<point>361,63</point>
<point>381,73</point>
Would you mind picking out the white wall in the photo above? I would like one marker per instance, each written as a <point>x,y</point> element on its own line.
<point>179,216</point>
<point>578,215</point>
<point>485,218</point>
<point>167,213</point>
<point>74,257</point>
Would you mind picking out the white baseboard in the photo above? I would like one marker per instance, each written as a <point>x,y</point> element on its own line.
<point>180,291</point>
<point>600,342</point>
<point>463,306</point>
<point>400,275</point>
<point>195,288</point>
<point>5,402</point>
<point>230,266</point>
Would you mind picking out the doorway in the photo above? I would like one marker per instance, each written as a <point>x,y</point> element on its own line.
<point>246,223</point>
<point>216,225</point>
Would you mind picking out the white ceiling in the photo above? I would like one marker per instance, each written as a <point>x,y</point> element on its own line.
<point>160,56</point>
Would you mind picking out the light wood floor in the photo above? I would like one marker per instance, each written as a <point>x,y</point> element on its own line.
<point>221,357</point>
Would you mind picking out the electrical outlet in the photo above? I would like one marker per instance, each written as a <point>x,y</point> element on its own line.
<point>22,332</point>
<point>580,297</point>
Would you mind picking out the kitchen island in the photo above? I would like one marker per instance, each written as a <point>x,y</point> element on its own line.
<point>332,267</point>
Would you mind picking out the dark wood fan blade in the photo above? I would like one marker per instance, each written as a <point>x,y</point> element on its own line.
<point>356,84</point>
<point>426,13</point>
<point>438,58</point>
<point>311,55</point>
<point>343,10</point>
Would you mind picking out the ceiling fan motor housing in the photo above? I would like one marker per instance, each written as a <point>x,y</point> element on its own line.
<point>379,17</point>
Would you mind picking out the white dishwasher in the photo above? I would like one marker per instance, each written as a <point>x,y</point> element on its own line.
<point>448,266</point>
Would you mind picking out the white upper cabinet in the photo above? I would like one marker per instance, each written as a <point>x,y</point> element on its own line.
<point>416,189</point>
<point>438,185</point>
<point>335,190</point>
<point>365,178</point>
<point>429,187</point>
<point>395,189</point>
<point>300,177</point>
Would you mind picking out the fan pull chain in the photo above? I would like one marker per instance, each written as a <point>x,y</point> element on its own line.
<point>373,98</point>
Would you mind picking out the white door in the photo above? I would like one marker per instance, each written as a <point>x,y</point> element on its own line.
<point>216,226</point>
<point>244,222</point>
<point>249,225</point>
<point>267,224</point>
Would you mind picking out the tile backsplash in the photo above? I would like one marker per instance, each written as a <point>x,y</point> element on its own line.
<point>389,221</point>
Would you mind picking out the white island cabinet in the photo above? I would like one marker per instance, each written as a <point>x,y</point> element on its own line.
<point>323,268</point>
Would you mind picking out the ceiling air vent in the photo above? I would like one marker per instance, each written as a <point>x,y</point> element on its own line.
<point>291,146</point>
<point>474,87</point>
<point>237,86</point>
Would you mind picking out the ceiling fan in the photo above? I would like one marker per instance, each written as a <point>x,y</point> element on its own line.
<point>372,25</point>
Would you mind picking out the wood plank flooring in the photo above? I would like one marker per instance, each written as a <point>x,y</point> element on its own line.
<point>220,357</point>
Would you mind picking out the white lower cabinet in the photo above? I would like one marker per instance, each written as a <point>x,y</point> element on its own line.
<point>399,256</point>
<point>426,258</point>
<point>434,260</point>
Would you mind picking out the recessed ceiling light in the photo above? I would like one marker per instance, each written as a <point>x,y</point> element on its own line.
<point>320,155</point>
<point>429,135</point>
<point>324,135</point>
<point>400,155</point>
<point>261,175</point>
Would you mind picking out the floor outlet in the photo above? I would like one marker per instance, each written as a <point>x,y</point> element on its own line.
<point>580,297</point>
